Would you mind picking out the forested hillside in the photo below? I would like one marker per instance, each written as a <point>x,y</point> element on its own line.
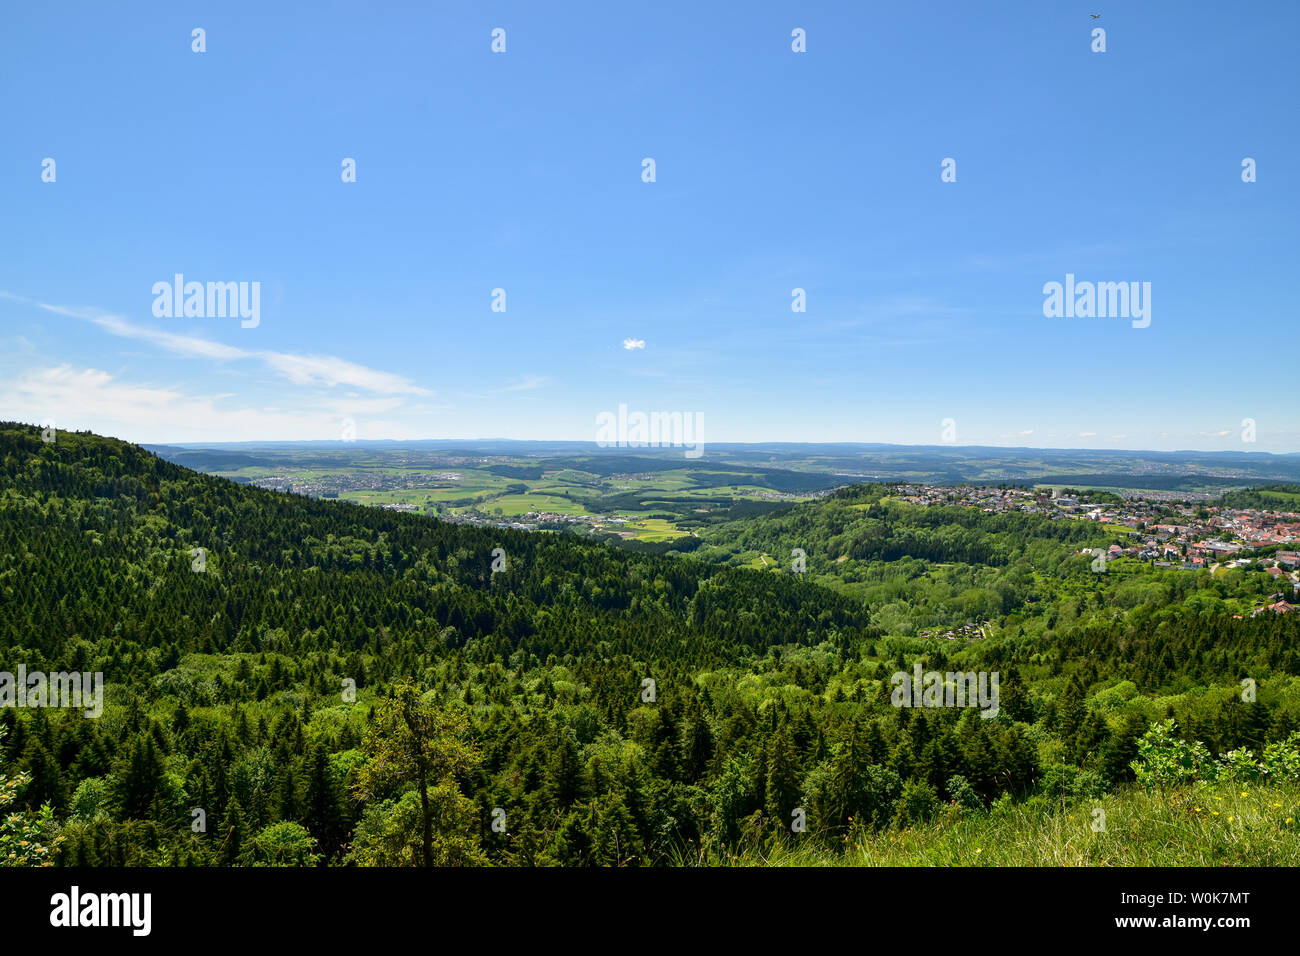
<point>580,704</point>
<point>917,568</point>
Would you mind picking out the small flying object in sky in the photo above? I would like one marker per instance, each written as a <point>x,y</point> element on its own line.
<point>1095,16</point>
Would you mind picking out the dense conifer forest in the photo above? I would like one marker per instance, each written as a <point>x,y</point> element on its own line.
<point>292,681</point>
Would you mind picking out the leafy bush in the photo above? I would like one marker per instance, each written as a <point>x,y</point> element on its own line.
<point>1165,760</point>
<point>1282,759</point>
<point>964,795</point>
<point>916,806</point>
<point>25,841</point>
<point>284,844</point>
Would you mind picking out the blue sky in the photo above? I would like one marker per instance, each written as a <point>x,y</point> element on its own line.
<point>774,170</point>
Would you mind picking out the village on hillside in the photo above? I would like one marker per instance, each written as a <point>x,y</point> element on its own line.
<point>1180,533</point>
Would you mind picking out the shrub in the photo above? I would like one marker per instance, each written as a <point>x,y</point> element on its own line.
<point>1165,760</point>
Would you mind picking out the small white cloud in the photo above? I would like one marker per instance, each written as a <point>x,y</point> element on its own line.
<point>631,344</point>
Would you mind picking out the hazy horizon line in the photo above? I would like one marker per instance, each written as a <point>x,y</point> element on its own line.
<point>617,449</point>
<point>607,449</point>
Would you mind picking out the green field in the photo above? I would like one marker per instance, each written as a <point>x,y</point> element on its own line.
<point>518,505</point>
<point>657,505</point>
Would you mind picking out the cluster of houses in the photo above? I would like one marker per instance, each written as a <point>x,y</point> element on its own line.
<point>533,520</point>
<point>1188,533</point>
<point>1276,604</point>
<point>969,630</point>
<point>331,485</point>
<point>1169,546</point>
<point>483,521</point>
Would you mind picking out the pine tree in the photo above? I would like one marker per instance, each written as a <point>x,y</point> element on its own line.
<point>781,784</point>
<point>141,782</point>
<point>563,777</point>
<point>233,833</point>
<point>322,804</point>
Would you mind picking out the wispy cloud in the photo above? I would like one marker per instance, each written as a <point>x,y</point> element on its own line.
<point>330,370</point>
<point>528,383</point>
<point>631,344</point>
<point>326,370</point>
<point>73,397</point>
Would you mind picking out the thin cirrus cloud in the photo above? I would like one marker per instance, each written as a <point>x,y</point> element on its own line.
<point>299,369</point>
<point>528,383</point>
<point>632,344</point>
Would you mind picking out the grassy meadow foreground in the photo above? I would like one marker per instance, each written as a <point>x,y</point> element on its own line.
<point>1225,825</point>
<point>300,681</point>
